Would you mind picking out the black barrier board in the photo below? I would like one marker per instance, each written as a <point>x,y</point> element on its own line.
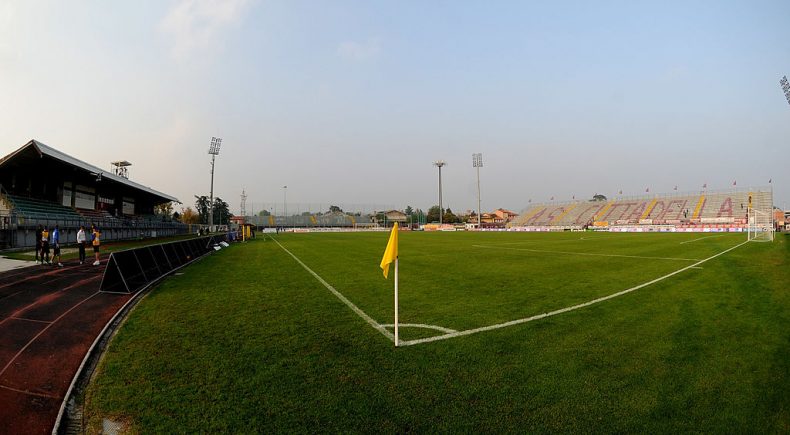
<point>182,252</point>
<point>191,254</point>
<point>160,256</point>
<point>113,281</point>
<point>194,245</point>
<point>148,263</point>
<point>172,255</point>
<point>130,269</point>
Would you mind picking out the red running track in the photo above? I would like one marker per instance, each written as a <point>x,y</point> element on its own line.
<point>49,317</point>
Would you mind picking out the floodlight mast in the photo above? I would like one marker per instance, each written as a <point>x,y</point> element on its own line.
<point>216,142</point>
<point>285,206</point>
<point>785,87</point>
<point>439,164</point>
<point>477,162</point>
<point>243,208</point>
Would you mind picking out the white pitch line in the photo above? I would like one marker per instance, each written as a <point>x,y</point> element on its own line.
<point>563,310</point>
<point>421,325</point>
<point>342,298</point>
<point>701,238</point>
<point>588,253</point>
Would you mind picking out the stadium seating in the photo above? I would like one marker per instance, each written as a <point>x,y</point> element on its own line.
<point>34,208</point>
<point>101,217</point>
<point>728,207</point>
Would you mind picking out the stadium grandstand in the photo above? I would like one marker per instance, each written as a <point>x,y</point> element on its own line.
<point>716,211</point>
<point>40,185</point>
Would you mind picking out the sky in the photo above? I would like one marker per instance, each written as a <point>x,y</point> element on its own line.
<point>350,102</point>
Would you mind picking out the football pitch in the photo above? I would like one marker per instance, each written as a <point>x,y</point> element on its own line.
<point>500,332</point>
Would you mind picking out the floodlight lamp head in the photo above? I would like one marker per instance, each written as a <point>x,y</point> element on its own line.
<point>477,160</point>
<point>216,142</point>
<point>785,87</point>
<point>439,163</point>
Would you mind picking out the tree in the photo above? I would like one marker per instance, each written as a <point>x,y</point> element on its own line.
<point>335,209</point>
<point>202,207</point>
<point>449,217</point>
<point>176,216</point>
<point>188,216</point>
<point>598,197</point>
<point>433,214</point>
<point>164,209</point>
<point>222,212</point>
<point>264,213</point>
<point>409,211</point>
<point>418,216</point>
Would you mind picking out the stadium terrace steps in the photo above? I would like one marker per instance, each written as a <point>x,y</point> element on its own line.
<point>36,208</point>
<point>698,208</point>
<point>717,207</point>
<point>602,214</point>
<point>565,212</point>
<point>649,209</point>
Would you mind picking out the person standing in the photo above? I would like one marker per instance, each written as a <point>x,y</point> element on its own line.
<point>81,243</point>
<point>96,242</point>
<point>56,245</point>
<point>45,246</point>
<point>38,245</point>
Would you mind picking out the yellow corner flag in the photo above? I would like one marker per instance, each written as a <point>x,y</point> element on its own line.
<point>391,253</point>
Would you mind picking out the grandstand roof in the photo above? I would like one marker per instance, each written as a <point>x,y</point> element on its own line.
<point>45,150</point>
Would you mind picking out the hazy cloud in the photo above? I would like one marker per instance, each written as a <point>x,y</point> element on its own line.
<point>360,50</point>
<point>197,25</point>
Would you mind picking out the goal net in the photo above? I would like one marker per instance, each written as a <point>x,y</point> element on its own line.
<point>760,226</point>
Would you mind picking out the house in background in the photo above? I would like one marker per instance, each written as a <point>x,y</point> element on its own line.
<point>499,218</point>
<point>388,218</point>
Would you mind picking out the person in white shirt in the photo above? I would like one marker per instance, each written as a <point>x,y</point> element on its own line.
<point>81,243</point>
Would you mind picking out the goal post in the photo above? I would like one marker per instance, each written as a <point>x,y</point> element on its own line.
<point>760,226</point>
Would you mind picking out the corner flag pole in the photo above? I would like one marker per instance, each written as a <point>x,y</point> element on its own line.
<point>390,256</point>
<point>396,301</point>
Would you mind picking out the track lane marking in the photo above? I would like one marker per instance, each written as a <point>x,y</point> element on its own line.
<point>42,331</point>
<point>26,307</point>
<point>29,393</point>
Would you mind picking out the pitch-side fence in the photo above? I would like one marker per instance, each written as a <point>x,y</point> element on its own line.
<point>133,269</point>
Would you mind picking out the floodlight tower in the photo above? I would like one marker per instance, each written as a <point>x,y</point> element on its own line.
<point>243,208</point>
<point>214,151</point>
<point>285,205</point>
<point>477,162</point>
<point>785,87</point>
<point>439,164</point>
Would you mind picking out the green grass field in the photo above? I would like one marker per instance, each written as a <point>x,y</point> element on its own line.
<point>247,340</point>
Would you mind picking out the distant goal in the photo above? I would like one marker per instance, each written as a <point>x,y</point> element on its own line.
<point>760,226</point>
